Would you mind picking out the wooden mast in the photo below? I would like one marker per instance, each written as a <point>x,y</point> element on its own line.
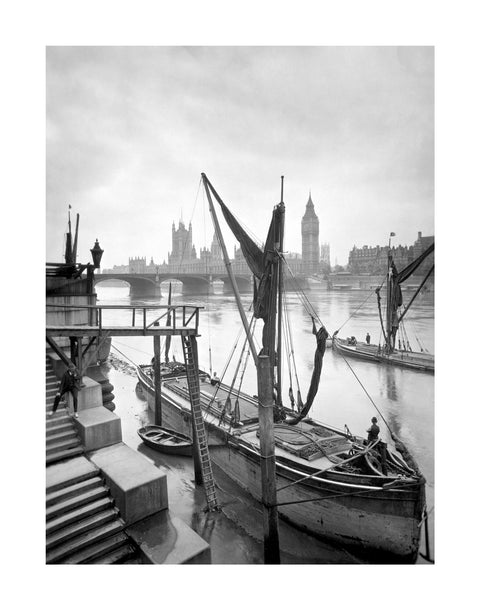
<point>75,241</point>
<point>265,411</point>
<point>228,265</point>
<point>168,340</point>
<point>389,297</point>
<point>68,245</point>
<point>279,248</point>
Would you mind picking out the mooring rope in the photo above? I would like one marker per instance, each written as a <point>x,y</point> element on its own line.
<point>134,363</point>
<point>349,493</point>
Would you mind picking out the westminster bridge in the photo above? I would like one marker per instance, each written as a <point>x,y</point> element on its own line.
<point>149,284</point>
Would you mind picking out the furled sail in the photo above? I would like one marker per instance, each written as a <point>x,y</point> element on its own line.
<point>259,261</point>
<point>321,336</point>
<point>409,269</point>
<point>395,292</point>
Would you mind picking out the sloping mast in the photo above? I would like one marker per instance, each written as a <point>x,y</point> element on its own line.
<point>279,248</point>
<point>75,241</point>
<point>264,364</point>
<point>228,264</point>
<point>68,245</point>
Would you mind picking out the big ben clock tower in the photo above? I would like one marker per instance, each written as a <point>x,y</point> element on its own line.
<point>310,243</point>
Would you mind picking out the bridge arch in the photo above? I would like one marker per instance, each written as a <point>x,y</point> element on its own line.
<point>149,284</point>
<point>140,286</point>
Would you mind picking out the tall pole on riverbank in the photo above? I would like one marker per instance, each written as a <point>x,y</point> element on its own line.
<point>271,543</point>
<point>157,379</point>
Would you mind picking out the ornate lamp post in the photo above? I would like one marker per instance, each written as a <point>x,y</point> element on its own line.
<point>97,254</point>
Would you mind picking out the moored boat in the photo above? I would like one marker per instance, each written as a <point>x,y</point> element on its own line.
<point>419,361</point>
<point>166,440</point>
<point>396,349</point>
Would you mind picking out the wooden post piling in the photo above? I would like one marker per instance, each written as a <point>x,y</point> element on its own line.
<point>157,379</point>
<point>267,459</point>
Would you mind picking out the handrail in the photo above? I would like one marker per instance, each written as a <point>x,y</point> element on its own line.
<point>80,306</point>
<point>192,310</point>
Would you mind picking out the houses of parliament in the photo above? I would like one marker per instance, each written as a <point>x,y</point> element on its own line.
<point>313,260</point>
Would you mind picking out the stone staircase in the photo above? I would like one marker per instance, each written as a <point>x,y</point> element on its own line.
<point>82,523</point>
<point>105,503</point>
<point>62,441</point>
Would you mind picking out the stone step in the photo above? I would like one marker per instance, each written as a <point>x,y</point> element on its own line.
<point>119,555</point>
<point>72,503</point>
<point>63,455</point>
<point>164,539</point>
<point>97,551</point>
<point>78,514</point>
<point>62,445</point>
<point>80,527</point>
<point>63,427</point>
<point>67,492</point>
<point>66,435</point>
<point>59,419</point>
<point>77,549</point>
<point>61,409</point>
<point>63,475</point>
<point>50,398</point>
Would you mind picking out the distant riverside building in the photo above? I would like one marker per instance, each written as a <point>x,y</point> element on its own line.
<point>183,249</point>
<point>183,256</point>
<point>420,245</point>
<point>373,260</point>
<point>325,258</point>
<point>137,265</point>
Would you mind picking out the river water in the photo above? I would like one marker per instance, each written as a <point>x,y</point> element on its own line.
<point>345,396</point>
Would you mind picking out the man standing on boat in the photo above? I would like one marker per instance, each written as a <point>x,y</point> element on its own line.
<point>373,432</point>
<point>70,383</point>
<point>367,338</point>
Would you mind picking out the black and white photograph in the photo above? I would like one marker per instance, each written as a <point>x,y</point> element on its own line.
<point>249,355</point>
<point>240,304</point>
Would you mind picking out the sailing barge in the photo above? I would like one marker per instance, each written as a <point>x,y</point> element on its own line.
<point>350,502</point>
<point>369,497</point>
<point>392,326</point>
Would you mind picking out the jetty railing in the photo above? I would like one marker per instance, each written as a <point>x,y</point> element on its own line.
<point>142,319</point>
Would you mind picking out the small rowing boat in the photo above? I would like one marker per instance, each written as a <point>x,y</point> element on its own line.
<point>165,440</point>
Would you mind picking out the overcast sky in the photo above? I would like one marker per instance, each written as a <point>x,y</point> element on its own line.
<point>130,129</point>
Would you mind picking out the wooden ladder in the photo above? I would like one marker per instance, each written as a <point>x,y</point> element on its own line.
<point>191,363</point>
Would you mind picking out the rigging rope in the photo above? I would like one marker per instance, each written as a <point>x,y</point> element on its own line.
<point>247,358</point>
<point>367,394</point>
<point>193,212</point>
<point>348,493</point>
<point>359,307</point>
<point>288,334</point>
<point>124,355</point>
<point>303,297</point>
<point>134,348</point>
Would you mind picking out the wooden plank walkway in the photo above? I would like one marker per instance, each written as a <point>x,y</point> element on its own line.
<point>119,331</point>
